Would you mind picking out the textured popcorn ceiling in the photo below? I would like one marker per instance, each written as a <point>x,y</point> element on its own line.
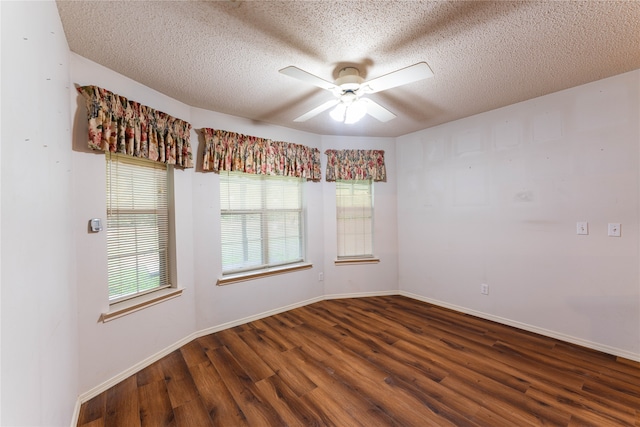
<point>225,55</point>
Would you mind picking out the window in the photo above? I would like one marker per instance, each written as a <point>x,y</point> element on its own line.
<point>262,221</point>
<point>354,206</point>
<point>137,227</point>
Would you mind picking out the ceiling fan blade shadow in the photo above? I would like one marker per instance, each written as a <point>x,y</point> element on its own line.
<point>403,76</point>
<point>377,111</point>
<point>435,21</point>
<point>306,77</point>
<point>272,26</point>
<point>283,110</point>
<point>402,103</point>
<point>317,110</point>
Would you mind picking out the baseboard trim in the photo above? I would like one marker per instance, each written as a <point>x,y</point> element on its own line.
<point>76,413</point>
<point>530,328</point>
<point>239,322</point>
<point>88,395</point>
<point>361,295</point>
<point>84,397</point>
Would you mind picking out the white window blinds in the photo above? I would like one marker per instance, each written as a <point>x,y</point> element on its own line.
<point>261,221</point>
<point>137,226</point>
<point>354,206</point>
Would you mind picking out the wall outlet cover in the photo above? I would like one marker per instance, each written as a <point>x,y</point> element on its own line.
<point>613,229</point>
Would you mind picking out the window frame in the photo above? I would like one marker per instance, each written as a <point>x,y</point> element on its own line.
<point>265,267</point>
<point>343,258</point>
<point>119,306</point>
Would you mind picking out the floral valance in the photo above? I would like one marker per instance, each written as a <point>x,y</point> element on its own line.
<point>230,151</point>
<point>355,165</point>
<point>123,126</point>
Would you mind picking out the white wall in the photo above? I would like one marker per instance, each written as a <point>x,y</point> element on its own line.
<point>495,199</point>
<point>107,349</point>
<point>39,335</point>
<point>217,305</point>
<point>366,278</point>
<point>489,199</point>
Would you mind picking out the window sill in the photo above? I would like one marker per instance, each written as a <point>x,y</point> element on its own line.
<point>356,261</point>
<point>135,304</point>
<point>241,277</point>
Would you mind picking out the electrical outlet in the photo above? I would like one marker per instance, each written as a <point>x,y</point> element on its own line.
<point>320,277</point>
<point>614,229</point>
<point>582,227</point>
<point>484,289</point>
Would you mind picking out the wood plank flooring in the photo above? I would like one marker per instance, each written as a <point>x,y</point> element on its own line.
<point>379,361</point>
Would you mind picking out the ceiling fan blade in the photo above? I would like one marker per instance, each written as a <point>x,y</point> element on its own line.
<point>317,110</point>
<point>377,111</point>
<point>403,76</point>
<point>306,77</point>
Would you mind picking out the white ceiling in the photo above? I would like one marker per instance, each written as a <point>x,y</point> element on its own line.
<point>225,55</point>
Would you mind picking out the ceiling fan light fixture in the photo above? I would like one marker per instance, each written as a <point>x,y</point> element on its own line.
<point>339,113</point>
<point>349,112</point>
<point>355,112</point>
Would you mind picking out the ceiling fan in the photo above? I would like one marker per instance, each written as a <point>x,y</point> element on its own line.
<point>350,87</point>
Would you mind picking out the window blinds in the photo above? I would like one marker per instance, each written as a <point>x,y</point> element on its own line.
<point>261,221</point>
<point>354,206</point>
<point>137,226</point>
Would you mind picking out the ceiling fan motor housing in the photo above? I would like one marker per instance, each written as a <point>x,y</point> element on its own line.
<point>349,79</point>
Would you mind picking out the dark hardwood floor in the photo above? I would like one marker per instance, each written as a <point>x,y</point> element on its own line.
<point>379,361</point>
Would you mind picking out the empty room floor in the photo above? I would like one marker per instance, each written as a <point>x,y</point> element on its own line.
<point>375,361</point>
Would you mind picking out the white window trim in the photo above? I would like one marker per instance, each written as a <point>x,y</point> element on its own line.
<point>357,261</point>
<point>229,279</point>
<point>364,258</point>
<point>122,308</point>
<point>140,302</point>
<point>265,270</point>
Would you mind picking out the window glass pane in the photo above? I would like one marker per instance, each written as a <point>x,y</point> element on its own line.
<point>275,193</point>
<point>282,193</point>
<point>241,240</point>
<point>261,221</point>
<point>137,227</point>
<point>354,214</point>
<point>233,243</point>
<point>243,192</point>
<point>284,237</point>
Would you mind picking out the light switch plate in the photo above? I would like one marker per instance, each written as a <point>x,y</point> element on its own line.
<point>582,227</point>
<point>614,229</point>
<point>95,225</point>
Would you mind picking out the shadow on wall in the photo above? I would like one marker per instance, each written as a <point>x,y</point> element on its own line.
<point>80,133</point>
<point>603,311</point>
